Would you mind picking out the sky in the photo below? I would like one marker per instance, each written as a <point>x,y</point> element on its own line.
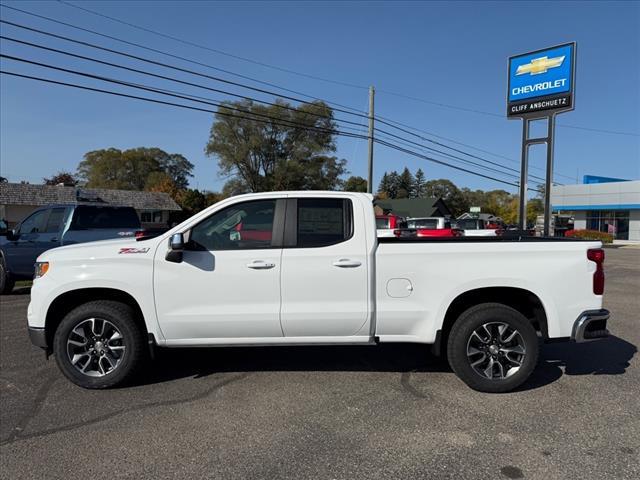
<point>450,57</point>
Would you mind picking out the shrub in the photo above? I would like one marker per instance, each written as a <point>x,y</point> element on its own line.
<point>590,235</point>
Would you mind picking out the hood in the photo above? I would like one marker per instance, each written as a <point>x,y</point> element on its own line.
<point>101,249</point>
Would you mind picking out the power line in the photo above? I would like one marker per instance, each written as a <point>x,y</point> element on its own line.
<point>457,142</point>
<point>449,156</point>
<point>498,115</point>
<point>214,50</point>
<point>454,149</point>
<point>183,97</point>
<point>190,107</point>
<point>173,67</point>
<point>337,82</point>
<point>178,57</point>
<point>431,159</point>
<point>202,86</point>
<point>164,77</point>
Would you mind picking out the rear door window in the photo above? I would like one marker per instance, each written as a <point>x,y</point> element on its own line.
<point>323,221</point>
<point>88,217</point>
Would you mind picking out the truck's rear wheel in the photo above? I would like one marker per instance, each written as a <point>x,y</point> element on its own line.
<point>99,344</point>
<point>493,348</point>
<point>6,282</point>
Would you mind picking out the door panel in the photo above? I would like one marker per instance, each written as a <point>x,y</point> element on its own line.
<point>228,284</point>
<point>325,275</point>
<point>217,294</point>
<point>23,251</point>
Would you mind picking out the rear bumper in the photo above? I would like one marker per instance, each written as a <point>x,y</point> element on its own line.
<point>38,337</point>
<point>590,325</point>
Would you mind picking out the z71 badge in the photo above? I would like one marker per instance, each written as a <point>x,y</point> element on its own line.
<point>133,250</point>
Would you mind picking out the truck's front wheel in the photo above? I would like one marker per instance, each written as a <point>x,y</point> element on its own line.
<point>99,344</point>
<point>493,348</point>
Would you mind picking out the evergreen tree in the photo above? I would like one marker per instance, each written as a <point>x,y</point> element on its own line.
<point>419,185</point>
<point>405,184</point>
<point>385,184</point>
<point>394,184</point>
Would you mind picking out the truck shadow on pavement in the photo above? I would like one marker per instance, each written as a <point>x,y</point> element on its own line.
<point>610,356</point>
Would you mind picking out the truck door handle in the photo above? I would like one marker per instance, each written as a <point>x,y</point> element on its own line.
<point>347,263</point>
<point>54,239</point>
<point>260,265</point>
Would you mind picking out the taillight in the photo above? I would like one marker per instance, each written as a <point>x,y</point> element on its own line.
<point>597,255</point>
<point>140,233</point>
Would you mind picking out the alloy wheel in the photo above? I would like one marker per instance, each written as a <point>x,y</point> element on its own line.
<point>95,347</point>
<point>496,350</point>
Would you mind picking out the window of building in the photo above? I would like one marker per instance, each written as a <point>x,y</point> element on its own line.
<point>151,216</point>
<point>609,221</point>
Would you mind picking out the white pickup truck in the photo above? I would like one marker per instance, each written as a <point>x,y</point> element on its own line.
<point>306,268</point>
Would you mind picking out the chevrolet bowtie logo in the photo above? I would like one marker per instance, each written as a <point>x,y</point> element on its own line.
<point>540,65</point>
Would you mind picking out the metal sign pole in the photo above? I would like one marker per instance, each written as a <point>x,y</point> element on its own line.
<point>524,173</point>
<point>551,120</point>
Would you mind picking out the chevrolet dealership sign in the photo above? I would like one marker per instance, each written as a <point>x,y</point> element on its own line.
<point>541,81</point>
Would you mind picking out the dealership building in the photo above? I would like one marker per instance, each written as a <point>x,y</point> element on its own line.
<point>600,203</point>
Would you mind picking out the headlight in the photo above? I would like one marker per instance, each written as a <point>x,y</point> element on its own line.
<point>41,269</point>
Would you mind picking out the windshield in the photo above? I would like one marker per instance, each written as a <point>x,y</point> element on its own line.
<point>470,224</point>
<point>431,223</point>
<point>382,223</point>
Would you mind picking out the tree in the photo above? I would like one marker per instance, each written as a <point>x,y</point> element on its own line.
<point>355,184</point>
<point>419,185</point>
<point>191,200</point>
<point>4,180</point>
<point>405,184</point>
<point>385,185</point>
<point>161,182</point>
<point>130,169</point>
<point>394,184</point>
<point>66,178</point>
<point>291,151</point>
<point>212,197</point>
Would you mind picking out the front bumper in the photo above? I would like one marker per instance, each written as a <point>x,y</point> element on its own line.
<point>590,325</point>
<point>38,337</point>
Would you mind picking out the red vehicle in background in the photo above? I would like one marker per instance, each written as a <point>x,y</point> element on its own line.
<point>387,224</point>
<point>432,227</point>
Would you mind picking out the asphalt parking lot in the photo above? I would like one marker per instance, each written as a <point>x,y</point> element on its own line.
<point>326,412</point>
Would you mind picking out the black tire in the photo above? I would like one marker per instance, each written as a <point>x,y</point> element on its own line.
<point>6,282</point>
<point>121,317</point>
<point>461,342</point>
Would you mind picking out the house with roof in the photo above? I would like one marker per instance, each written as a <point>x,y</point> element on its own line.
<point>17,200</point>
<point>413,207</point>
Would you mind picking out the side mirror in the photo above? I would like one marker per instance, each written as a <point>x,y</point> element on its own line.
<point>176,248</point>
<point>11,234</point>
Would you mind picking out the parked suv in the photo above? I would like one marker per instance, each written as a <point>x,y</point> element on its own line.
<point>56,225</point>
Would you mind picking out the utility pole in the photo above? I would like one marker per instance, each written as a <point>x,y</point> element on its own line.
<point>372,92</point>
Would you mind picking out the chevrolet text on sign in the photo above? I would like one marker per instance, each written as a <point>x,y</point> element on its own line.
<point>542,80</point>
